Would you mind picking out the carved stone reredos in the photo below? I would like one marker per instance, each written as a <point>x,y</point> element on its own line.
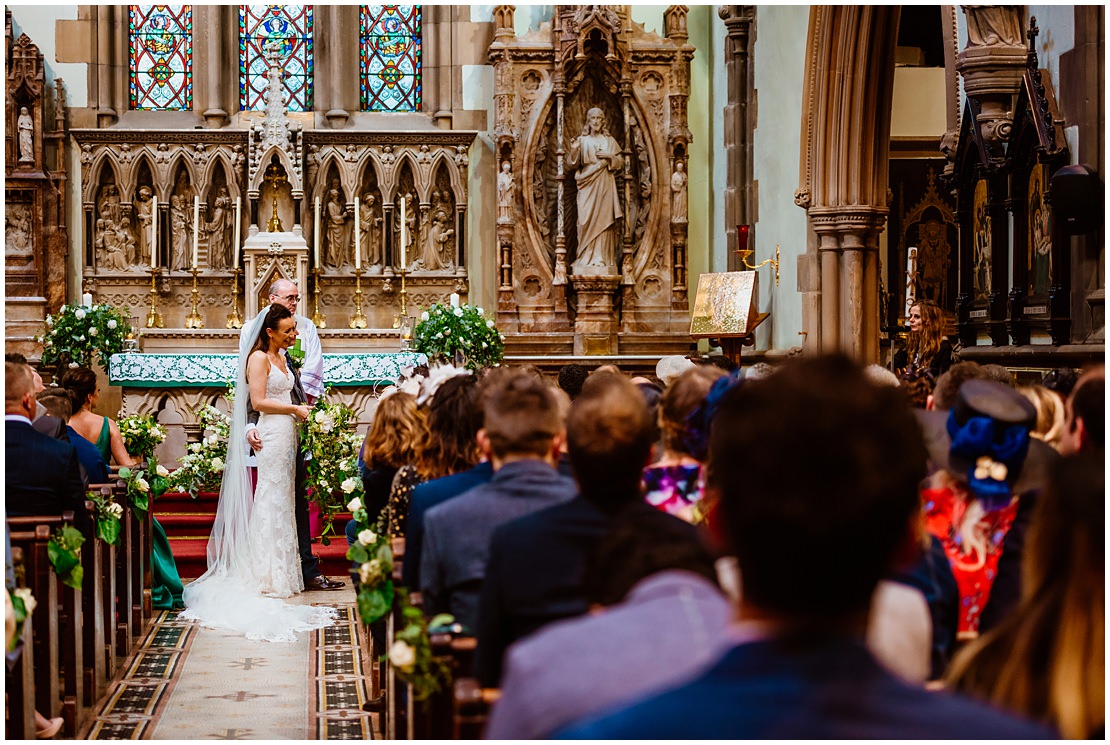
<point>275,135</point>
<point>544,83</point>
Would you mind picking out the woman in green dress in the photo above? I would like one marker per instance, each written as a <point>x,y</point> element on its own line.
<point>102,431</point>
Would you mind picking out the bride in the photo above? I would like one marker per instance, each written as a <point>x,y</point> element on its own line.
<point>252,552</point>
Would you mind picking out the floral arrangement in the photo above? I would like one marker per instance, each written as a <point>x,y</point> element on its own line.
<point>64,552</point>
<point>108,514</point>
<point>78,334</point>
<point>330,437</point>
<point>139,489</point>
<point>141,435</point>
<point>23,604</point>
<point>460,334</point>
<point>374,555</point>
<point>411,651</point>
<point>202,465</point>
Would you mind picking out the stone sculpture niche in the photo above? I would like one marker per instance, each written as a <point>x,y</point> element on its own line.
<point>591,145</point>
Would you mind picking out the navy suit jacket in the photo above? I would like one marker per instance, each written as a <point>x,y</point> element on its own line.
<point>536,567</point>
<point>41,475</point>
<point>831,690</point>
<point>426,496</point>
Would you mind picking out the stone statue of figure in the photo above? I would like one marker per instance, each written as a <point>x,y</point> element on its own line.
<point>108,204</point>
<point>594,156</point>
<point>26,127</point>
<point>219,231</point>
<point>432,256</point>
<point>144,210</point>
<point>505,193</point>
<point>17,236</point>
<point>993,25</point>
<point>179,233</point>
<point>336,229</point>
<point>371,238</point>
<point>410,228</point>
<point>110,247</point>
<point>680,209</point>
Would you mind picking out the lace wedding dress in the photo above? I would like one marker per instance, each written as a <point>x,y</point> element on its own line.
<point>252,552</point>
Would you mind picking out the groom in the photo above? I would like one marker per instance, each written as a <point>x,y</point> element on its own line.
<point>308,385</point>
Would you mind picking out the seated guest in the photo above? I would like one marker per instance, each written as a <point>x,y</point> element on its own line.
<point>521,436</point>
<point>536,563</point>
<point>943,397</point>
<point>674,482</point>
<point>94,470</point>
<point>101,431</point>
<point>42,475</point>
<point>658,617</point>
<point>798,668</point>
<point>1085,414</point>
<point>392,441</point>
<point>52,429</point>
<point>1047,659</point>
<point>571,378</point>
<point>1050,413</point>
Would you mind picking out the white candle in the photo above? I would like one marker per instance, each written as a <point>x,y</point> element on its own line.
<point>454,300</point>
<point>911,276</point>
<point>403,236</point>
<point>358,251</point>
<point>316,235</point>
<point>238,222</point>
<point>154,234</point>
<point>196,229</point>
<point>86,300</point>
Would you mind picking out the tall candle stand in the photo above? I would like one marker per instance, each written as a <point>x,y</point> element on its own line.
<point>317,316</point>
<point>154,318</point>
<point>234,321</point>
<point>193,320</point>
<point>404,299</point>
<point>358,320</point>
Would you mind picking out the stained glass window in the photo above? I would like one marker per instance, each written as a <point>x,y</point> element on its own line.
<point>292,26</point>
<point>161,57</point>
<point>389,57</point>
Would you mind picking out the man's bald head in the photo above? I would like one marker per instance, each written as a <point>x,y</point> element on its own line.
<point>284,292</point>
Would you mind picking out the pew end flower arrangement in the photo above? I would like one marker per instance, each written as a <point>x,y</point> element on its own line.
<point>23,605</point>
<point>78,335</point>
<point>460,334</point>
<point>64,552</point>
<point>107,517</point>
<point>331,438</point>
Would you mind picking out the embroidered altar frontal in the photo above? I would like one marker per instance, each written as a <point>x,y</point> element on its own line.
<point>137,370</point>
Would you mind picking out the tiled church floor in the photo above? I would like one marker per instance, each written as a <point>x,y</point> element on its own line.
<point>190,683</point>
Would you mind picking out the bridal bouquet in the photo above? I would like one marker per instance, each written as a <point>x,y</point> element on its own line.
<point>141,435</point>
<point>78,334</point>
<point>332,442</point>
<point>202,466</point>
<point>460,334</point>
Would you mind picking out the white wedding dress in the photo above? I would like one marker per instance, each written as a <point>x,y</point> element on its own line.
<point>252,552</point>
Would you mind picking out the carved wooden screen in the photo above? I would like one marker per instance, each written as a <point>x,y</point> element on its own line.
<point>292,25</point>
<point>161,57</point>
<point>390,52</point>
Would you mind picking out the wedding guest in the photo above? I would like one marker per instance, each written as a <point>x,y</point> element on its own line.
<point>393,440</point>
<point>52,429</point>
<point>1047,659</point>
<point>521,436</point>
<point>1085,414</point>
<point>674,482</point>
<point>571,378</point>
<point>927,352</point>
<point>534,575</point>
<point>1050,413</point>
<point>797,667</point>
<point>42,475</point>
<point>94,469</point>
<point>1061,380</point>
<point>948,384</point>
<point>657,617</point>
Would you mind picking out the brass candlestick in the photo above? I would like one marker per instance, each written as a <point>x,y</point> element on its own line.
<point>317,316</point>
<point>234,321</point>
<point>358,320</point>
<point>193,320</point>
<point>404,298</point>
<point>154,318</point>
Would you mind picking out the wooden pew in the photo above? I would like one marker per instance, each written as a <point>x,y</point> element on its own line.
<point>98,559</point>
<point>472,706</point>
<point>20,680</point>
<point>58,622</point>
<point>117,613</point>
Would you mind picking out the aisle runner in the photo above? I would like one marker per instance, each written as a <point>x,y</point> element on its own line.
<point>187,682</point>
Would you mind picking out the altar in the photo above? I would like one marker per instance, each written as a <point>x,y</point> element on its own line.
<point>174,387</point>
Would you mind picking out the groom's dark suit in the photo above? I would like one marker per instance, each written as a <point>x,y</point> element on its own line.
<point>309,563</point>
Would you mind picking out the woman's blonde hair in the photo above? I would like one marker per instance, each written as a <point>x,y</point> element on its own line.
<point>1050,413</point>
<point>1046,659</point>
<point>927,341</point>
<point>397,434</point>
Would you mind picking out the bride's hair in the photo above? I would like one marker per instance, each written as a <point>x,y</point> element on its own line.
<point>276,314</point>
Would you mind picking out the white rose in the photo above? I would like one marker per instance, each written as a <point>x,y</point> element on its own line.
<point>319,417</point>
<point>49,321</point>
<point>157,431</point>
<point>210,440</point>
<point>366,537</point>
<point>354,505</point>
<point>489,324</point>
<point>29,602</point>
<point>73,364</point>
<point>217,464</point>
<point>79,313</point>
<point>80,338</point>
<point>423,316</point>
<point>458,312</point>
<point>484,345</point>
<point>142,484</point>
<point>92,331</point>
<point>446,332</point>
<point>439,336</point>
<point>112,323</point>
<point>402,656</point>
<point>327,425</point>
<point>161,470</point>
<point>348,486</point>
<point>195,447</point>
<point>481,311</point>
<point>116,510</point>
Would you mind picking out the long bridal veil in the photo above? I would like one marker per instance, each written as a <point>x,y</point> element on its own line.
<point>227,595</point>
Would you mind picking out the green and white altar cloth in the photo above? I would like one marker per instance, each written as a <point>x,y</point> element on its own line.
<point>139,370</point>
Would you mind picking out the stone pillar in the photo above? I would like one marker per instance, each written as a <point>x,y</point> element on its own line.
<point>595,326</point>
<point>336,56</point>
<point>101,72</point>
<point>739,210</point>
<point>445,47</point>
<point>214,63</point>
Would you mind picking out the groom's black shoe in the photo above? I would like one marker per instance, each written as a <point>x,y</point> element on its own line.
<point>322,583</point>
